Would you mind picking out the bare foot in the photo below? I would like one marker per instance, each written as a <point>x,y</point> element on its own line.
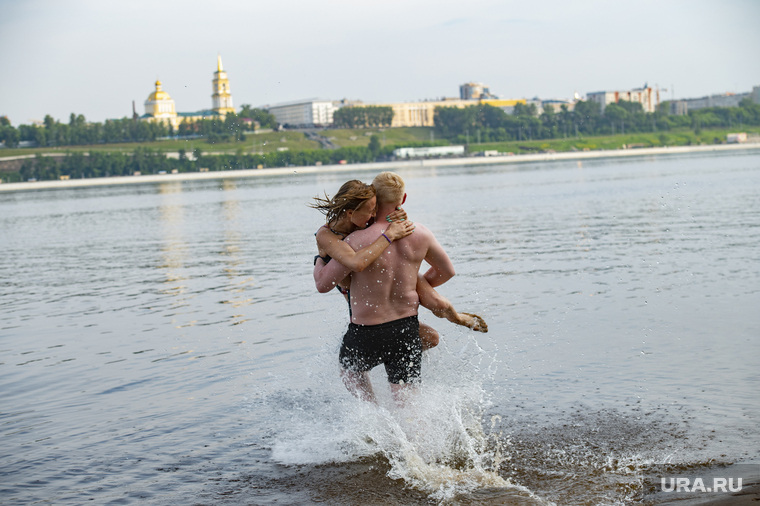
<point>474,322</point>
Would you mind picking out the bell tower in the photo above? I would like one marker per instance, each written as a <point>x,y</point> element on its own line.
<point>221,99</point>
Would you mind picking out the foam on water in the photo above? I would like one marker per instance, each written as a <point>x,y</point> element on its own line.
<point>436,442</point>
<point>450,441</point>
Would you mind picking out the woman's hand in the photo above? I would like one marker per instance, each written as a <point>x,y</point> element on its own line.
<point>399,229</point>
<point>398,215</point>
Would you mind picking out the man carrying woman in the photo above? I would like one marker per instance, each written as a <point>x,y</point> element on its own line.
<point>377,269</point>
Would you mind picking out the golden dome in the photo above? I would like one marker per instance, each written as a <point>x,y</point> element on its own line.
<point>160,105</point>
<point>159,94</point>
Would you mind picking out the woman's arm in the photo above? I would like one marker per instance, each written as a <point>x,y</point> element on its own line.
<point>359,260</point>
<point>346,259</point>
<point>327,275</point>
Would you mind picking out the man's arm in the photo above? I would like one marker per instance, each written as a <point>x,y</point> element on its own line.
<point>441,268</point>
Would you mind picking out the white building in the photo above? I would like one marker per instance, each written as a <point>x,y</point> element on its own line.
<point>431,151</point>
<point>304,113</point>
<point>648,97</point>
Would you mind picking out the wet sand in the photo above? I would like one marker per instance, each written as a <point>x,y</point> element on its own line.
<point>377,166</point>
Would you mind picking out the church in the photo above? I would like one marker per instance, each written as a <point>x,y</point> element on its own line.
<point>160,106</point>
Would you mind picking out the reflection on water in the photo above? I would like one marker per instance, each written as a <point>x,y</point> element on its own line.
<point>164,343</point>
<point>173,246</point>
<point>239,284</point>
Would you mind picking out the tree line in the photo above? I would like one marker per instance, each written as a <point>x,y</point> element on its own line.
<point>485,123</point>
<point>78,131</point>
<point>143,160</point>
<point>363,117</point>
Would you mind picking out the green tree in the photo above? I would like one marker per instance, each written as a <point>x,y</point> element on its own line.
<point>374,146</point>
<point>260,116</point>
<point>549,123</point>
<point>363,117</point>
<point>586,117</point>
<point>616,115</point>
<point>10,136</point>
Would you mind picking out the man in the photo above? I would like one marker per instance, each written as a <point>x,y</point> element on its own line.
<point>384,299</point>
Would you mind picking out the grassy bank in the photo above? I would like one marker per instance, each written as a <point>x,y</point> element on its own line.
<point>388,136</point>
<point>269,142</point>
<point>637,140</point>
<point>255,143</point>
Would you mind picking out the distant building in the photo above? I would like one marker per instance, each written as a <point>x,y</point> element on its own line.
<point>304,113</point>
<point>221,98</point>
<point>319,113</point>
<point>682,107</point>
<point>159,106</point>
<point>556,104</point>
<point>679,108</point>
<point>648,97</point>
<point>736,138</point>
<point>429,151</point>
<point>506,105</point>
<point>421,114</point>
<point>722,100</point>
<point>474,91</point>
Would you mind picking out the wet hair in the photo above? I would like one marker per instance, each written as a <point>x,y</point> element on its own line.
<point>389,187</point>
<point>351,196</point>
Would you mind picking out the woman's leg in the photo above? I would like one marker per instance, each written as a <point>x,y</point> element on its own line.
<point>442,308</point>
<point>429,336</point>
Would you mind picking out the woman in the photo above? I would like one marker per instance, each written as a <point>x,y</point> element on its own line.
<point>353,207</point>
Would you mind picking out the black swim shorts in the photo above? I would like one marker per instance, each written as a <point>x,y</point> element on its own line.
<point>396,344</point>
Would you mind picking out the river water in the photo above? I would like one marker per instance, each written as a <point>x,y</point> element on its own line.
<point>164,343</point>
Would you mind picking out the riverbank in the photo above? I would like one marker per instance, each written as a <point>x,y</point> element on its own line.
<point>377,166</point>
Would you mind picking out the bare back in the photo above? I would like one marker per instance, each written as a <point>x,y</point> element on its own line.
<point>387,289</point>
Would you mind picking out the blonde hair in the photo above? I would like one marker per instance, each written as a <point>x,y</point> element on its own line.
<point>389,187</point>
<point>350,196</point>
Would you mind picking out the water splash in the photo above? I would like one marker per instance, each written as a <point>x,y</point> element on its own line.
<point>436,443</point>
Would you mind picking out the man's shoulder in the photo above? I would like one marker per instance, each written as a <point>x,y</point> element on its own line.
<point>422,232</point>
<point>421,227</point>
<point>363,232</point>
<point>360,236</point>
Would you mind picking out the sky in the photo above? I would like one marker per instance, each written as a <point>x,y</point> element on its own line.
<point>95,57</point>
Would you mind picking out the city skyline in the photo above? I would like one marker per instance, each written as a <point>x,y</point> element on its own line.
<point>96,58</point>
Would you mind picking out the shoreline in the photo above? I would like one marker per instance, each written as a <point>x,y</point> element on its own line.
<point>380,166</point>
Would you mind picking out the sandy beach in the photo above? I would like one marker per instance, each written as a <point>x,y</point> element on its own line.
<point>378,166</point>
